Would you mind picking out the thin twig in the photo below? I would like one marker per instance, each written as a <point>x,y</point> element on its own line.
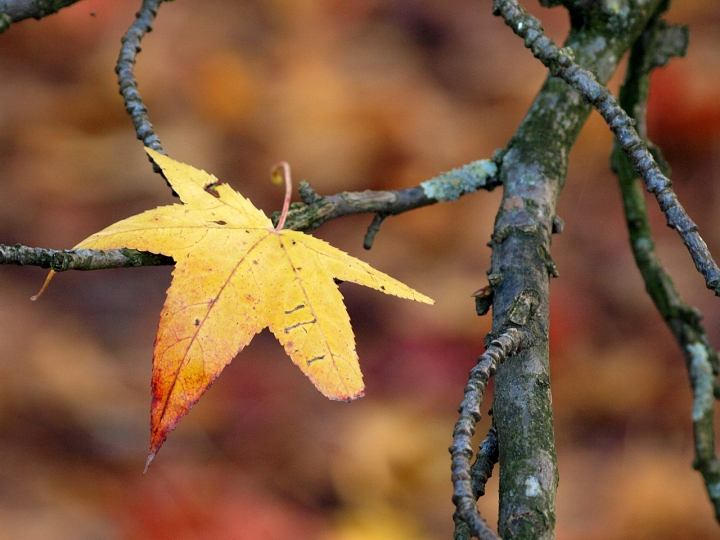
<point>487,457</point>
<point>449,186</point>
<point>510,342</point>
<point>126,76</point>
<point>701,358</point>
<point>311,216</point>
<point>79,259</point>
<point>12,11</point>
<point>560,63</point>
<point>480,472</point>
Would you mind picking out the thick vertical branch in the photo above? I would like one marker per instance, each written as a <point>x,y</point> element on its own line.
<point>533,173</point>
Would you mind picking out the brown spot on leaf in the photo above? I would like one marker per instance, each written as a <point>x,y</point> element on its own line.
<point>212,189</point>
<point>308,362</point>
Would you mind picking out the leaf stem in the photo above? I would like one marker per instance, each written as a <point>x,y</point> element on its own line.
<point>283,168</point>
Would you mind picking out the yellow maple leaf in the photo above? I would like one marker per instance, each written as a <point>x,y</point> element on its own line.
<point>234,275</point>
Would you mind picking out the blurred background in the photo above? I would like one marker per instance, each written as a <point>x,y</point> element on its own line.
<point>362,94</point>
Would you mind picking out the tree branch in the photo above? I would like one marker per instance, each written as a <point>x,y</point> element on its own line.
<point>126,76</point>
<point>12,11</point>
<point>80,259</point>
<point>487,457</point>
<point>449,186</point>
<point>480,473</point>
<point>560,63</point>
<point>302,217</point>
<point>658,43</point>
<point>533,172</point>
<point>510,342</point>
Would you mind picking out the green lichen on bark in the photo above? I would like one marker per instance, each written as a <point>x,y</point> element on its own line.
<point>301,216</point>
<point>5,21</point>
<point>453,184</point>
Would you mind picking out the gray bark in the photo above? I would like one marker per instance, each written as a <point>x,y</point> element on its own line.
<point>533,173</point>
<point>12,11</point>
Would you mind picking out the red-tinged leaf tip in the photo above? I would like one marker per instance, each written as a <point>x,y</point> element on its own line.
<point>150,457</point>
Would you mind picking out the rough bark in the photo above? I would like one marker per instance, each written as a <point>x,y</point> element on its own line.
<point>533,173</point>
<point>12,11</point>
